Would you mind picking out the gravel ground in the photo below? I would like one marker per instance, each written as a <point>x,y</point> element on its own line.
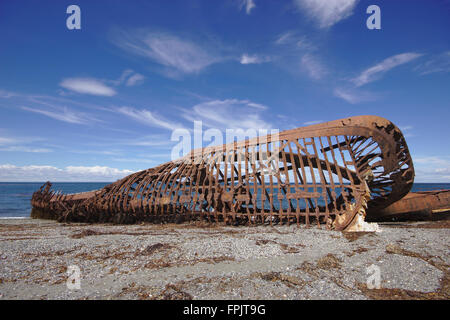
<point>193,261</point>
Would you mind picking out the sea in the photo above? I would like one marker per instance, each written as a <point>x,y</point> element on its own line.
<point>15,196</point>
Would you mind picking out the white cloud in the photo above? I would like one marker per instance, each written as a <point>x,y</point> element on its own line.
<point>129,77</point>
<point>7,94</point>
<point>102,152</point>
<point>148,117</point>
<point>432,169</point>
<point>255,105</point>
<point>354,96</point>
<point>310,123</point>
<point>436,64</point>
<point>32,173</point>
<point>229,114</point>
<point>168,50</point>
<point>134,79</point>
<point>375,72</point>
<point>252,59</point>
<point>135,160</point>
<point>87,86</point>
<point>285,38</point>
<point>63,114</point>
<point>4,141</point>
<point>327,12</point>
<point>313,66</point>
<point>25,149</point>
<point>123,77</point>
<point>155,140</point>
<point>248,4</point>
<point>19,144</point>
<point>296,41</point>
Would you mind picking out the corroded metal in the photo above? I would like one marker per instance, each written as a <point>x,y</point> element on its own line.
<point>422,203</point>
<point>326,173</point>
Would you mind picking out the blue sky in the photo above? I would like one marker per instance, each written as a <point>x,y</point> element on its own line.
<point>98,103</point>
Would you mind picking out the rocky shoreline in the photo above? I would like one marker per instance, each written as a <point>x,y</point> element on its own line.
<point>201,261</point>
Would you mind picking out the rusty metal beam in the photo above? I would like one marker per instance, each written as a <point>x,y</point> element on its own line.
<point>423,203</point>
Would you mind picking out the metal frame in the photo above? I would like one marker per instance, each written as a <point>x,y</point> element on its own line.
<point>326,173</point>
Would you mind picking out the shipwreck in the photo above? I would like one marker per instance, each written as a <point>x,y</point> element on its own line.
<point>334,173</point>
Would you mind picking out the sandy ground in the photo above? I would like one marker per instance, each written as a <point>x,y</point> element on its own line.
<point>192,261</point>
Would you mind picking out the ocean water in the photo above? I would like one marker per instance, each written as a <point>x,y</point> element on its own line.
<point>15,196</point>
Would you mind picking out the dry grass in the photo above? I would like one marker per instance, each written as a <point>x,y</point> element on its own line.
<point>173,292</point>
<point>352,236</point>
<point>288,249</point>
<point>395,249</point>
<point>329,262</point>
<point>277,276</point>
<point>91,232</point>
<point>357,250</point>
<point>163,263</point>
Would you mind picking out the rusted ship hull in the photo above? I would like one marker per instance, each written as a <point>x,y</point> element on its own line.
<point>415,205</point>
<point>326,173</point>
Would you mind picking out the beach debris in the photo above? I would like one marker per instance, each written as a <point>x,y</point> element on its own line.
<point>426,204</point>
<point>333,173</point>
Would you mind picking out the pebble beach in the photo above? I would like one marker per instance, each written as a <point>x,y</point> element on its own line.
<point>202,261</point>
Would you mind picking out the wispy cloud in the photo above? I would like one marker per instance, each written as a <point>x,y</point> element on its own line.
<point>25,149</point>
<point>295,40</point>
<point>175,53</point>
<point>376,72</point>
<point>63,114</point>
<point>129,78</point>
<point>351,92</point>
<point>310,123</point>
<point>285,37</point>
<point>253,59</point>
<point>327,12</point>
<point>148,118</point>
<point>21,144</point>
<point>134,79</point>
<point>315,69</point>
<point>249,5</point>
<point>134,160</point>
<point>87,86</point>
<point>405,128</point>
<point>7,94</point>
<point>4,141</point>
<point>100,87</point>
<point>354,96</point>
<point>297,49</point>
<point>229,113</point>
<point>436,64</point>
<point>9,172</point>
<point>154,140</point>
